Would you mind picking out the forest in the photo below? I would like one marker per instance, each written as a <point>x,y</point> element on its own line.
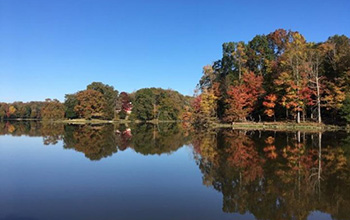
<point>279,76</point>
<point>274,77</point>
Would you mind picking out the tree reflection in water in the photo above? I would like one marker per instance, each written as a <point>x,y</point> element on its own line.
<point>277,175</point>
<point>273,175</point>
<point>96,142</point>
<point>100,141</point>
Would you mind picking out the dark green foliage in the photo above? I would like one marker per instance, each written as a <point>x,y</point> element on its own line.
<point>109,94</point>
<point>259,54</point>
<point>337,59</point>
<point>122,114</point>
<point>159,104</point>
<point>144,105</point>
<point>69,103</point>
<point>345,109</point>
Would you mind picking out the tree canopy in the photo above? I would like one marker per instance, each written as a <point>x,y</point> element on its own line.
<point>279,76</point>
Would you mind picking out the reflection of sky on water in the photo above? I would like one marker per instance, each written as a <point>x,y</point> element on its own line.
<point>49,182</point>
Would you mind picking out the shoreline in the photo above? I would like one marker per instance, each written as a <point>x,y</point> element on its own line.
<point>267,126</point>
<point>281,126</point>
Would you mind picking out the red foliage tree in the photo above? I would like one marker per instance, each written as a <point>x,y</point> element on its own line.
<point>242,97</point>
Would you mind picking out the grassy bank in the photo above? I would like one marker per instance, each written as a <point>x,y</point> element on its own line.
<point>81,121</point>
<point>279,126</point>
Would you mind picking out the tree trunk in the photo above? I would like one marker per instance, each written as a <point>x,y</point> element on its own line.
<point>318,101</point>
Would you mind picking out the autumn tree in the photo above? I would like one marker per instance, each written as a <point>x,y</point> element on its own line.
<point>123,105</point>
<point>293,59</point>
<point>314,58</point>
<point>125,101</point>
<point>269,104</point>
<point>333,97</point>
<point>91,104</point>
<point>10,111</point>
<point>243,97</point>
<point>208,78</point>
<point>204,108</point>
<point>52,110</point>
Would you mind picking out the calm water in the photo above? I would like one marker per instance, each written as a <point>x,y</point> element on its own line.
<point>165,172</point>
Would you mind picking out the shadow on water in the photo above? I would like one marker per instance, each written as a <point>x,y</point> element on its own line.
<point>272,175</point>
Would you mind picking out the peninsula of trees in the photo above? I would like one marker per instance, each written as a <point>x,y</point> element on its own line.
<point>274,77</point>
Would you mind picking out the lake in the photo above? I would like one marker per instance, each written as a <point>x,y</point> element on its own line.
<point>56,171</point>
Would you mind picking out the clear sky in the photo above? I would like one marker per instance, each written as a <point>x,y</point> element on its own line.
<point>49,48</point>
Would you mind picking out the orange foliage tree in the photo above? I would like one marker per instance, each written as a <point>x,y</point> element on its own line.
<point>270,103</point>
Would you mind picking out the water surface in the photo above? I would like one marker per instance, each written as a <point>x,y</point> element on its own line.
<point>55,171</point>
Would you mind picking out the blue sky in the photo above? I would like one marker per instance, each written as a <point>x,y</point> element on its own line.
<point>49,48</point>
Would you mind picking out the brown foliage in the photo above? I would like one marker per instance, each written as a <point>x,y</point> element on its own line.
<point>90,104</point>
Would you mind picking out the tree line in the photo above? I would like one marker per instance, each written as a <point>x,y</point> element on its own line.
<point>279,76</point>
<point>101,101</point>
<point>274,77</point>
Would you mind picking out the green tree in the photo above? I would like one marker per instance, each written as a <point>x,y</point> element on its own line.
<point>144,105</point>
<point>345,109</point>
<point>70,103</point>
<point>260,54</point>
<point>160,104</point>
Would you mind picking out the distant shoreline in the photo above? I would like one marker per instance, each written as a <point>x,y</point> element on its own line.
<point>93,121</point>
<point>266,126</point>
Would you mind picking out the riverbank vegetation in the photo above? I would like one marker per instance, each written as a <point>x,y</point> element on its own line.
<point>279,77</point>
